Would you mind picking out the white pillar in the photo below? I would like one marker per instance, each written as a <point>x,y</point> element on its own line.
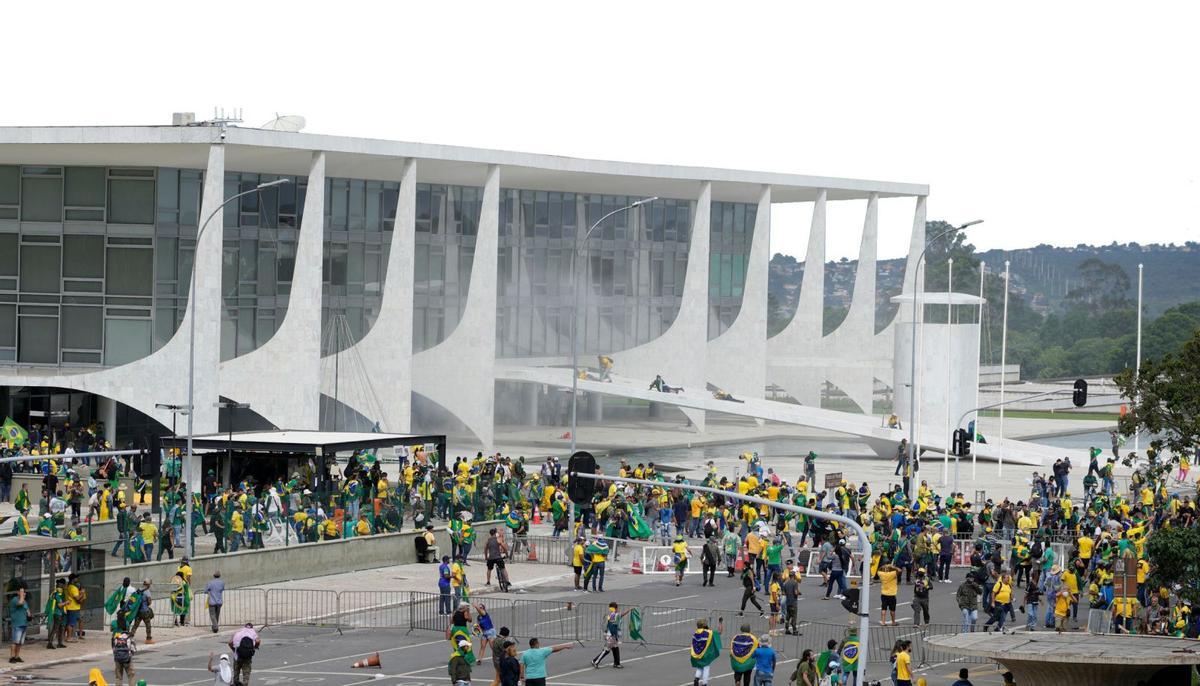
<point>949,357</point>
<point>979,368</point>
<point>107,409</point>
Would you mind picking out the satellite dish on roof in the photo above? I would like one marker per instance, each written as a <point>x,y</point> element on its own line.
<point>288,122</point>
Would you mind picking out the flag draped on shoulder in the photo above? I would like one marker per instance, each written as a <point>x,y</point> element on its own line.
<point>741,652</point>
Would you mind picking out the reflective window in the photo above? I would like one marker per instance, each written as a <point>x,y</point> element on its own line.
<point>126,340</point>
<point>37,341</point>
<point>41,194</point>
<point>130,201</point>
<point>130,271</point>
<point>40,268</point>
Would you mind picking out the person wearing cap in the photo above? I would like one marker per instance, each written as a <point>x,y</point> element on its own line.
<point>680,553</point>
<point>460,663</point>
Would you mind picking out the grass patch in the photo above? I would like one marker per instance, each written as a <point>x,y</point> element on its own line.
<point>1046,414</point>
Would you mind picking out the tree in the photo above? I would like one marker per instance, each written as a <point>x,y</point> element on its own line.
<point>1105,287</point>
<point>1165,400</point>
<point>1173,560</point>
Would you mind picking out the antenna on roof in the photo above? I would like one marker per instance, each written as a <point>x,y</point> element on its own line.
<point>287,122</point>
<point>220,118</point>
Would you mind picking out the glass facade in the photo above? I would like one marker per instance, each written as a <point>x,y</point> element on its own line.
<point>731,230</point>
<point>95,263</point>
<point>631,268</point>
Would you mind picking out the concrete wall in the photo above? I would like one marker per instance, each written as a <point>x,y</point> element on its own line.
<point>254,567</point>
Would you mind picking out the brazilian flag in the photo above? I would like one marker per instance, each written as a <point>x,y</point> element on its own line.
<point>850,654</point>
<point>741,652</point>
<point>639,530</point>
<point>114,601</point>
<point>181,599</point>
<point>706,647</point>
<point>513,520</point>
<point>459,632</point>
<point>13,432</point>
<point>635,625</point>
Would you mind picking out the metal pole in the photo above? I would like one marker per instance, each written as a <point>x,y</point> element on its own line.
<point>978,369</point>
<point>1003,371</point>
<point>575,337</point>
<point>1137,368</point>
<point>949,329</point>
<point>193,305</point>
<point>864,595</point>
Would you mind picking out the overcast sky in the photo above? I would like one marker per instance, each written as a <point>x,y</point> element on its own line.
<point>1055,122</point>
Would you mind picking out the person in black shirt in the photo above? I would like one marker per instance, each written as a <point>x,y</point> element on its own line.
<point>510,666</point>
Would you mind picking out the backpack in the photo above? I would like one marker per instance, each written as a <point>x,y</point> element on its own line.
<point>245,649</point>
<point>1036,551</point>
<point>121,652</point>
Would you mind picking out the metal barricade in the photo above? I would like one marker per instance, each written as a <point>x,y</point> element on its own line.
<point>238,606</point>
<point>375,609</point>
<point>301,606</point>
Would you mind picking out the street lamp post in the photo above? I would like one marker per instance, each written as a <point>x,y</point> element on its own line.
<point>575,331</point>
<point>918,308</point>
<point>191,403</point>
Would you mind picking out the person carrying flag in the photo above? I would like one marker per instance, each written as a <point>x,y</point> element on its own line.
<point>741,655</point>
<point>679,550</point>
<point>612,637</point>
<point>593,571</point>
<point>706,648</point>
<point>56,615</point>
<point>461,660</point>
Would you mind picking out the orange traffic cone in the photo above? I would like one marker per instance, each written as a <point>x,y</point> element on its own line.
<point>532,553</point>
<point>740,563</point>
<point>637,567</point>
<point>372,661</point>
<point>537,516</point>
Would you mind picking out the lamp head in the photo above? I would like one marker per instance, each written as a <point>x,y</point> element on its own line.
<point>644,201</point>
<point>276,182</point>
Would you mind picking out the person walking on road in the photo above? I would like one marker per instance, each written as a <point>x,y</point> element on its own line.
<point>612,637</point>
<point>741,656</point>
<point>748,593</point>
<point>18,617</point>
<point>706,648</point>
<point>460,663</point>
<point>764,662</point>
<point>533,662</point>
<point>123,651</point>
<point>214,591</point>
<point>245,643</point>
<point>708,561</point>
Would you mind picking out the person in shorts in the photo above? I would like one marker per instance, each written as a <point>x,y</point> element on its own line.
<point>18,617</point>
<point>494,552</point>
<point>889,579</point>
<point>487,630</point>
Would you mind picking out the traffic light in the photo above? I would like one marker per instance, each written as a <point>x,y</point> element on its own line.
<point>1079,395</point>
<point>961,445</point>
<point>580,491</point>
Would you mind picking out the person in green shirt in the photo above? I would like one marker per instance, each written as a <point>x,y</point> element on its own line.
<point>774,560</point>
<point>706,648</point>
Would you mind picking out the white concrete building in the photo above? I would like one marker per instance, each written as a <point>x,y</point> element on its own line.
<point>389,283</point>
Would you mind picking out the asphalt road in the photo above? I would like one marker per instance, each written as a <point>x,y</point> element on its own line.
<point>321,656</point>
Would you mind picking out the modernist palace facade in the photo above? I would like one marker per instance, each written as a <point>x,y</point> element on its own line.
<point>394,284</point>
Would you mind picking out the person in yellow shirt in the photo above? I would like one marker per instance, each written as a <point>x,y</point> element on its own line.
<point>1086,544</point>
<point>458,579</point>
<point>237,529</point>
<point>889,582</point>
<point>1002,603</point>
<point>149,535</point>
<point>1062,608</point>
<point>775,594</point>
<point>362,527</point>
<point>679,551</point>
<point>75,595</point>
<point>577,561</point>
<point>904,664</point>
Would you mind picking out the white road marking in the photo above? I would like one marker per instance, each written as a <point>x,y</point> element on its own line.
<point>632,659</point>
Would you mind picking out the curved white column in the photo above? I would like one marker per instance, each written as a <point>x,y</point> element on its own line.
<point>384,355</point>
<point>459,372</point>
<point>786,351</point>
<point>679,354</point>
<point>162,376</point>
<point>281,378</point>
<point>737,359</point>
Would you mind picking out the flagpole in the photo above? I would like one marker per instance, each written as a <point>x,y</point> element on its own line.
<point>978,367</point>
<point>1138,366</point>
<point>949,329</point>
<point>1003,371</point>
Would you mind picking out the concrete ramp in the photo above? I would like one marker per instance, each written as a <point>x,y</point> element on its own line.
<point>881,439</point>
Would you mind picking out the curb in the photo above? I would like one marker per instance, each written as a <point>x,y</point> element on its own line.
<point>105,655</point>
